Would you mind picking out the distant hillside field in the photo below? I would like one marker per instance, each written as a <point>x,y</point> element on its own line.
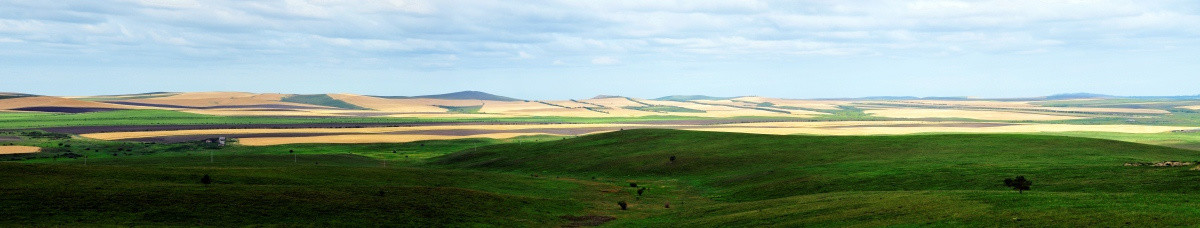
<point>322,100</point>
<point>690,98</point>
<point>464,95</point>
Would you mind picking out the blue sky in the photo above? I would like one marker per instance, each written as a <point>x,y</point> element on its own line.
<point>578,49</point>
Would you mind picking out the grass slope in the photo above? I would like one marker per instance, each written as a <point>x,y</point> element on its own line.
<point>322,100</point>
<point>717,180</point>
<point>303,195</point>
<point>873,180</point>
<point>462,109</point>
<point>137,184</point>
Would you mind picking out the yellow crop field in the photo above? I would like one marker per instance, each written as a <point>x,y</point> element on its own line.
<point>969,114</point>
<point>19,149</point>
<point>387,105</point>
<point>23,102</point>
<point>614,102</point>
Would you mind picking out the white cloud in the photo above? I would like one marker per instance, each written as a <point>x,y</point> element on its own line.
<point>604,60</point>
<point>482,31</point>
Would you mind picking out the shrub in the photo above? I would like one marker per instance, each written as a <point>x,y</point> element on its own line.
<point>632,185</point>
<point>1020,184</point>
<point>624,206</point>
<point>206,179</point>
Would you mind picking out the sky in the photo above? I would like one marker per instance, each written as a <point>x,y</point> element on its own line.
<point>580,49</point>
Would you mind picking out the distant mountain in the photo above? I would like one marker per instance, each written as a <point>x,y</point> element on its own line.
<point>1185,97</point>
<point>4,95</point>
<point>1068,96</point>
<point>690,97</point>
<point>605,96</point>
<point>887,98</point>
<point>464,95</point>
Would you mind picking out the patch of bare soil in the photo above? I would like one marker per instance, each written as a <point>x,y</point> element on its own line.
<point>1161,164</point>
<point>586,220</point>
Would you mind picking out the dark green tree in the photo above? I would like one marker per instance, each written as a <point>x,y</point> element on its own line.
<point>1020,183</point>
<point>206,179</point>
<point>624,206</point>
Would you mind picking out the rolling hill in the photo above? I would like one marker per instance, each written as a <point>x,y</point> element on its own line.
<point>56,105</point>
<point>4,95</point>
<point>463,95</point>
<point>839,181</point>
<point>322,100</point>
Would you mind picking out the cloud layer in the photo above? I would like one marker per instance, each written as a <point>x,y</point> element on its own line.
<point>478,35</point>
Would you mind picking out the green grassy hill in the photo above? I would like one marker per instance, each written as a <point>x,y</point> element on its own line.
<point>322,100</point>
<point>716,180</point>
<point>299,195</point>
<point>825,180</point>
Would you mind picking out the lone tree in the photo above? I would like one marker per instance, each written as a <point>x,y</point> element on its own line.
<point>206,180</point>
<point>641,190</point>
<point>1020,184</point>
<point>672,158</point>
<point>632,185</point>
<point>624,206</point>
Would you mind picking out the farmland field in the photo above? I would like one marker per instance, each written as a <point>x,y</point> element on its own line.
<point>351,160</point>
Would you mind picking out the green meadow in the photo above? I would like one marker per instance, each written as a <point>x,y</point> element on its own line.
<point>714,180</point>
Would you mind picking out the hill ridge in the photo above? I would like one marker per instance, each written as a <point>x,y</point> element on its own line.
<point>461,95</point>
